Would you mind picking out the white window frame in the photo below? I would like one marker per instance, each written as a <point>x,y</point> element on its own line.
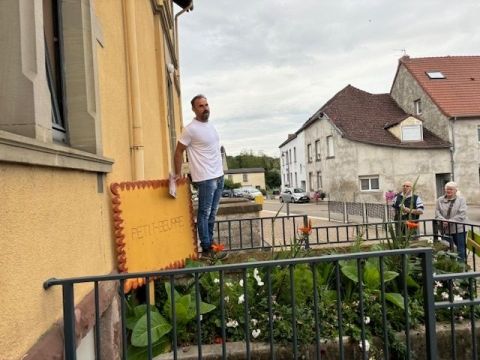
<point>418,106</point>
<point>317,150</point>
<point>412,133</point>
<point>330,147</point>
<point>319,180</point>
<point>309,153</point>
<point>369,180</point>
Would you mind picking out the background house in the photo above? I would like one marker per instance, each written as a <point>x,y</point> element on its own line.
<point>89,95</point>
<point>369,145</point>
<point>292,161</point>
<point>444,92</point>
<point>359,145</point>
<point>254,177</point>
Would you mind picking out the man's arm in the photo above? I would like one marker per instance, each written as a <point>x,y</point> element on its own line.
<point>178,158</point>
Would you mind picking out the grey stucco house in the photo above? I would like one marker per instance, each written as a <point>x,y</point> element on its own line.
<point>369,145</point>
<point>428,127</point>
<point>444,92</point>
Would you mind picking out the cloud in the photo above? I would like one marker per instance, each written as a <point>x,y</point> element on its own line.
<point>267,66</point>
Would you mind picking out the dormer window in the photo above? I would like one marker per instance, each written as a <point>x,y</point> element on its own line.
<point>435,75</point>
<point>418,106</point>
<point>412,133</point>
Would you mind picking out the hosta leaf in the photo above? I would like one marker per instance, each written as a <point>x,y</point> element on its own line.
<point>396,299</point>
<point>159,327</point>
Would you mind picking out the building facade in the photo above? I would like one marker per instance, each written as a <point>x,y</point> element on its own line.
<point>247,177</point>
<point>365,144</point>
<point>90,95</point>
<point>292,161</point>
<point>360,145</point>
<point>445,93</point>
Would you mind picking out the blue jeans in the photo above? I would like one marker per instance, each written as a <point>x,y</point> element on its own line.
<point>460,239</point>
<point>209,194</point>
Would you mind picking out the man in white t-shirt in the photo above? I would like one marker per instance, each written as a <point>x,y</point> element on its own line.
<point>200,139</point>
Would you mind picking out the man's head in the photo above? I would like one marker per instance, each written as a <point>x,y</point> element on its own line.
<point>200,107</point>
<point>407,187</point>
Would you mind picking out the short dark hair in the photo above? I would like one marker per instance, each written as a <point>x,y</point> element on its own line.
<point>199,96</point>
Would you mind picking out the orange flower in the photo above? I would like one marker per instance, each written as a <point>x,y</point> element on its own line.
<point>411,224</point>
<point>306,230</point>
<point>218,247</point>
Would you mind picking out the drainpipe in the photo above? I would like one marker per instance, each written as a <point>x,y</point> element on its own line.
<point>188,8</point>
<point>177,53</point>
<point>136,124</point>
<point>452,149</point>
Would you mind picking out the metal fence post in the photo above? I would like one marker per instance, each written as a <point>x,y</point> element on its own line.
<point>328,208</point>
<point>429,306</point>
<point>345,215</point>
<point>69,322</point>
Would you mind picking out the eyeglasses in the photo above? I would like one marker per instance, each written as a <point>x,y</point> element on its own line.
<point>406,185</point>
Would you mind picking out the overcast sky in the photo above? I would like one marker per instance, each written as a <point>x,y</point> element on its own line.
<point>266,66</point>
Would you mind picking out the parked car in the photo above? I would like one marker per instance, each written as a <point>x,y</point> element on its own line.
<point>296,195</point>
<point>251,193</point>
<point>227,193</point>
<point>237,193</point>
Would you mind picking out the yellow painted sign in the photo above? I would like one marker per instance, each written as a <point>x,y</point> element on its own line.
<point>153,230</point>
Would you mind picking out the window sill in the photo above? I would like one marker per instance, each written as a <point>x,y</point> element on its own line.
<point>23,150</point>
<point>330,157</point>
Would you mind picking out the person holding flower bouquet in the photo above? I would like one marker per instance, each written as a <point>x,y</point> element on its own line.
<point>408,207</point>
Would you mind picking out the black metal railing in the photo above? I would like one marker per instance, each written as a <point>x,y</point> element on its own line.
<point>302,338</point>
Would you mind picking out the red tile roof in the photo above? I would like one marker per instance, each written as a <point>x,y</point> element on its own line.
<point>364,117</point>
<point>458,95</point>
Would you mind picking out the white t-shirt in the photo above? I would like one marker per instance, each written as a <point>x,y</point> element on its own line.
<point>203,149</point>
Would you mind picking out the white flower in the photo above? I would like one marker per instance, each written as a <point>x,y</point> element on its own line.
<point>241,282</point>
<point>255,333</point>
<point>260,282</point>
<point>201,317</point>
<point>438,284</point>
<point>457,298</point>
<point>227,299</point>
<point>229,284</point>
<point>367,345</point>
<point>216,281</point>
<point>232,323</point>
<point>366,320</point>
<point>254,322</point>
<point>255,272</point>
<point>430,241</point>
<point>444,295</point>
<point>241,299</point>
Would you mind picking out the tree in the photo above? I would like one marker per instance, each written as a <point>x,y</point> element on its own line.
<point>273,179</point>
<point>229,184</point>
<point>247,159</point>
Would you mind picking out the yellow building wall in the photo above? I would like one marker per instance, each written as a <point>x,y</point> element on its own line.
<point>54,222</point>
<point>253,179</point>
